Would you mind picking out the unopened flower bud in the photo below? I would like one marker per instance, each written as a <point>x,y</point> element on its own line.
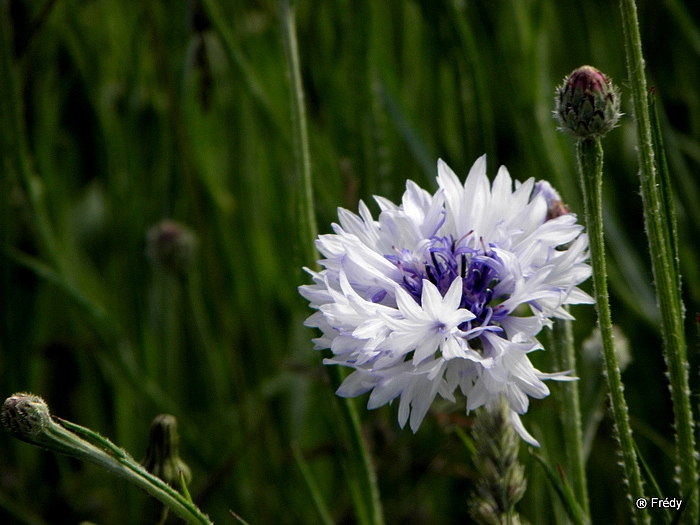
<point>587,103</point>
<point>25,416</point>
<point>171,246</point>
<point>163,452</point>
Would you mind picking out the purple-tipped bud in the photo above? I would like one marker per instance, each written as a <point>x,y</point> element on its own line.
<point>171,246</point>
<point>587,103</point>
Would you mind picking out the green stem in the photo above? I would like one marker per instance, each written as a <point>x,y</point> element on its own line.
<point>664,268</point>
<point>307,217</point>
<point>369,503</point>
<point>28,419</point>
<point>590,164</point>
<point>323,512</point>
<point>215,358</point>
<point>120,463</point>
<point>14,149</point>
<point>367,499</point>
<point>570,412</point>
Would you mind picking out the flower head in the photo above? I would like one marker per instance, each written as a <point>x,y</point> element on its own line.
<point>448,291</point>
<point>587,103</point>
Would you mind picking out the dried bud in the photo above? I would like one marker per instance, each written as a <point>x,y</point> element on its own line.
<point>555,206</point>
<point>587,103</point>
<point>163,452</point>
<point>171,246</point>
<point>25,416</point>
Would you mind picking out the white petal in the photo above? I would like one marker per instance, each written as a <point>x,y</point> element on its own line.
<point>520,429</point>
<point>356,384</point>
<point>454,296</point>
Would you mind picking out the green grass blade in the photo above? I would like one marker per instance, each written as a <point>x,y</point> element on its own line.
<point>563,490</point>
<point>415,145</point>
<point>652,481</point>
<point>307,229</point>
<point>320,505</point>
<point>666,189</point>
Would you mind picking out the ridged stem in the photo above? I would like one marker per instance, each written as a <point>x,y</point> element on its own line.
<point>664,267</point>
<point>590,165</point>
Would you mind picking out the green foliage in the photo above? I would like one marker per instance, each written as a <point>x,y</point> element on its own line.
<point>116,115</point>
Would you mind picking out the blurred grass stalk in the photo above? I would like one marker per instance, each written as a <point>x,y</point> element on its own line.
<point>367,501</point>
<point>307,229</point>
<point>570,412</point>
<point>13,139</point>
<point>659,224</point>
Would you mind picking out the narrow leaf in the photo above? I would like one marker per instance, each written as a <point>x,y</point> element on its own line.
<point>321,507</point>
<point>668,208</point>
<point>563,490</point>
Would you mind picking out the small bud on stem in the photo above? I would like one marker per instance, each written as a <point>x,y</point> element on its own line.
<point>171,246</point>
<point>163,453</point>
<point>587,103</point>
<point>27,417</point>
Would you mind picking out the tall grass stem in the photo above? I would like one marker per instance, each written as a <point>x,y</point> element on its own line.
<point>370,505</point>
<point>659,229</point>
<point>307,216</point>
<point>14,144</point>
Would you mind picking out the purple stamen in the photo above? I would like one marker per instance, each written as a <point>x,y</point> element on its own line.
<point>446,259</point>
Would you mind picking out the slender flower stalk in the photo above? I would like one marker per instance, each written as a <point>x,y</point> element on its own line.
<point>664,268</point>
<point>587,106</point>
<point>369,506</point>
<point>564,358</point>
<point>590,162</point>
<point>27,417</point>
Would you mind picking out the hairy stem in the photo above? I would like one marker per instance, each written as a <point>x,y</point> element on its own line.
<point>664,266</point>
<point>590,164</point>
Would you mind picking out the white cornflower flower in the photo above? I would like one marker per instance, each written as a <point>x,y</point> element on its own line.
<point>448,291</point>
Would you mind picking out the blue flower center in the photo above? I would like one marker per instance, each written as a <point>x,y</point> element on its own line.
<point>445,260</point>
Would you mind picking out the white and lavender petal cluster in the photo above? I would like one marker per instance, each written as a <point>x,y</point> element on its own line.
<point>448,291</point>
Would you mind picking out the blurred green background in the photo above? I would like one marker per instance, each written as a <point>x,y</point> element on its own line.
<point>117,115</point>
